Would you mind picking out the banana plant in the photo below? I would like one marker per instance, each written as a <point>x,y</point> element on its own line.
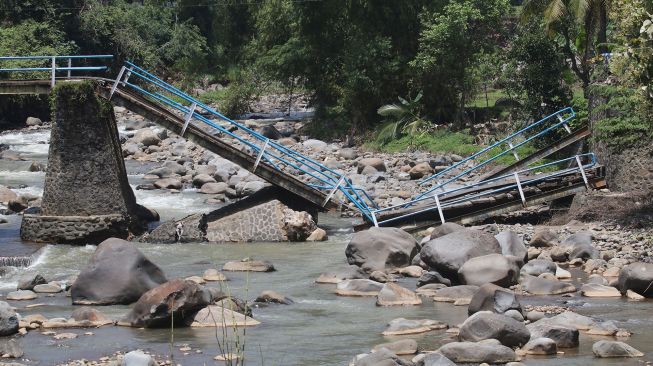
<point>402,119</point>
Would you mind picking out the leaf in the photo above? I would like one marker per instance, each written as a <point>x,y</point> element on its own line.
<point>391,110</point>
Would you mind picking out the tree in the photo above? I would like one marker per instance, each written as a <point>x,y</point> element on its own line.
<point>581,25</point>
<point>449,45</point>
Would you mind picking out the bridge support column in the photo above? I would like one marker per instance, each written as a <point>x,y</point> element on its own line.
<point>87,197</point>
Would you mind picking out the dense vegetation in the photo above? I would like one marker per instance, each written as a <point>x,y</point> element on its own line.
<point>468,60</point>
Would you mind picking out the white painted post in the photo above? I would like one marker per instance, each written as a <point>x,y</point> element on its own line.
<point>52,71</point>
<point>333,191</point>
<point>514,152</point>
<point>260,155</point>
<point>565,125</point>
<point>376,223</point>
<point>437,202</point>
<point>129,72</point>
<point>189,116</point>
<point>115,83</point>
<point>521,191</point>
<point>582,172</point>
<point>70,65</point>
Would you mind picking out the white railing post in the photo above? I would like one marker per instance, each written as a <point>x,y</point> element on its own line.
<point>333,191</point>
<point>565,125</point>
<point>260,155</point>
<point>514,152</point>
<point>521,191</point>
<point>115,83</point>
<point>52,71</point>
<point>129,73</point>
<point>70,65</point>
<point>437,202</point>
<point>582,172</point>
<point>376,223</point>
<point>189,116</point>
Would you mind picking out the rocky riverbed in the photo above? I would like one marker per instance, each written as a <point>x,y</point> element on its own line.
<point>556,295</point>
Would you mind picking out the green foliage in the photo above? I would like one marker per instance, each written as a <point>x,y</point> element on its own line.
<point>538,72</point>
<point>147,34</point>
<point>626,117</point>
<point>401,119</point>
<point>450,42</point>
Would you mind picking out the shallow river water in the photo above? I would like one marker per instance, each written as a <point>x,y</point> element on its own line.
<point>320,328</point>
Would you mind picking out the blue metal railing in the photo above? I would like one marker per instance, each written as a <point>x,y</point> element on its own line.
<point>52,66</point>
<point>320,177</point>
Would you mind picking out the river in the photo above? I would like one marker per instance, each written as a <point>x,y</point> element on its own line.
<point>320,328</point>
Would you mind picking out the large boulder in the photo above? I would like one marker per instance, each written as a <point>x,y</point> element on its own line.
<point>376,163</point>
<point>492,268</point>
<point>565,336</point>
<point>432,277</point>
<point>538,266</point>
<point>7,194</point>
<point>393,294</point>
<point>382,357</point>
<point>580,246</point>
<point>487,325</point>
<point>446,228</point>
<point>512,244</point>
<point>358,287</point>
<point>434,359</point>
<point>637,277</point>
<point>489,351</point>
<point>448,253</point>
<point>147,137</point>
<point>402,326</point>
<point>542,286</point>
<point>604,349</point>
<point>541,346</point>
<point>176,300</point>
<point>543,238</point>
<point>381,248</point>
<point>8,320</point>
<point>491,297</point>
<point>118,273</point>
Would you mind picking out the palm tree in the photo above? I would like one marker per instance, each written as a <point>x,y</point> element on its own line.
<point>402,119</point>
<point>582,24</point>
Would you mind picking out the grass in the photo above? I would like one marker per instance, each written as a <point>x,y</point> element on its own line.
<point>492,96</point>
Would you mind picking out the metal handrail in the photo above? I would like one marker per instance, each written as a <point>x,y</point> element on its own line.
<point>53,68</point>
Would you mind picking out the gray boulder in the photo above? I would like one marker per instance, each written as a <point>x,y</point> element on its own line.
<point>400,347</point>
<point>543,286</point>
<point>446,228</point>
<point>538,266</point>
<point>432,277</point>
<point>448,253</point>
<point>33,121</point>
<point>177,300</point>
<point>358,287</point>
<point>581,246</point>
<point>381,248</point>
<point>512,244</point>
<point>8,320</point>
<point>605,349</point>
<point>28,282</point>
<point>146,137</point>
<point>543,238</point>
<point>10,348</point>
<point>637,277</point>
<point>487,325</point>
<point>137,358</point>
<point>435,359</point>
<point>190,229</point>
<point>491,297</point>
<point>382,357</point>
<point>491,352</point>
<point>563,336</point>
<point>492,268</point>
<point>118,273</point>
<point>541,346</point>
<point>376,163</point>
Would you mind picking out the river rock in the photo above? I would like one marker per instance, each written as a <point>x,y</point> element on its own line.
<point>315,145</point>
<point>213,274</point>
<point>448,253</point>
<point>21,295</point>
<point>47,288</point>
<point>318,235</point>
<point>86,313</point>
<point>375,163</point>
<point>444,229</point>
<point>168,183</point>
<point>178,299</point>
<point>28,282</point>
<point>632,295</point>
<point>512,245</point>
<point>490,351</point>
<point>637,277</point>
<point>432,277</point>
<point>270,132</point>
<point>381,248</point>
<point>400,347</point>
<point>492,268</point>
<point>563,336</point>
<point>33,121</point>
<point>541,286</point>
<point>597,290</point>
<point>358,287</point>
<point>569,318</point>
<point>350,273</point>
<point>190,229</point>
<point>401,326</point>
<point>382,357</point>
<point>460,294</point>
<point>487,325</point>
<point>536,267</point>
<point>137,358</point>
<point>392,294</point>
<point>604,349</point>
<point>491,297</point>
<point>214,188</point>
<point>380,276</point>
<point>202,179</point>
<point>412,271</point>
<point>434,359</point>
<point>146,137</point>
<point>348,153</point>
<point>273,297</point>
<point>248,265</point>
<point>7,194</point>
<point>8,320</point>
<point>606,328</point>
<point>117,273</point>
<point>420,171</point>
<point>581,246</point>
<point>541,346</point>
<point>543,238</point>
<point>220,317</point>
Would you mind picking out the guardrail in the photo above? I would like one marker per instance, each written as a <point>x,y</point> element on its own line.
<point>52,67</point>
